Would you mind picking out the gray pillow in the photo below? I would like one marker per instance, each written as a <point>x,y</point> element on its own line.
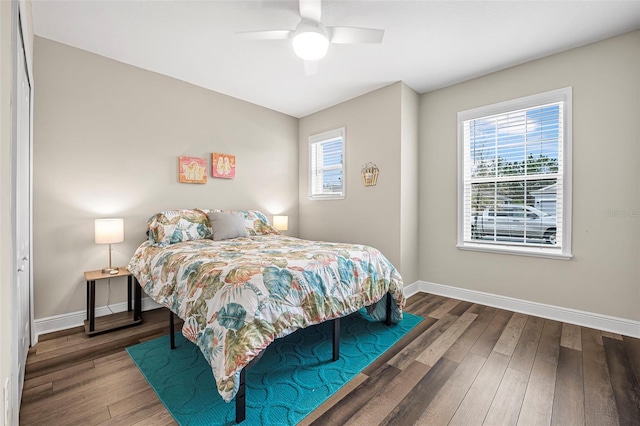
<point>227,225</point>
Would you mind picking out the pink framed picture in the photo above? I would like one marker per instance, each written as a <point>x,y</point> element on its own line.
<point>192,170</point>
<point>223,165</point>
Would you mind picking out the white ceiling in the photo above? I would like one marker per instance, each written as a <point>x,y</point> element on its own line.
<point>427,44</point>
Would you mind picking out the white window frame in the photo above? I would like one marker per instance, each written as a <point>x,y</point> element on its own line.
<point>559,251</point>
<point>321,138</point>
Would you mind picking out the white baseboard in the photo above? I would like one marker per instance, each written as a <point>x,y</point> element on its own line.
<point>586,319</point>
<point>75,319</point>
<point>616,325</point>
<point>413,288</point>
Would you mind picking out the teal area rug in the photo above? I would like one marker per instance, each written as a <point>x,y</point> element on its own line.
<point>294,376</point>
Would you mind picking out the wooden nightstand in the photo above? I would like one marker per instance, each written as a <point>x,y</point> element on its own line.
<point>132,316</point>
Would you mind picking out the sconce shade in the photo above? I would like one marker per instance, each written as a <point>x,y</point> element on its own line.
<point>109,231</point>
<point>281,223</point>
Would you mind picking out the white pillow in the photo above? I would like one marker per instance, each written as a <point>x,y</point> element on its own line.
<point>227,225</point>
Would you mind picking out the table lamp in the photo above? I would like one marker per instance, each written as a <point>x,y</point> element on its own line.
<point>109,231</point>
<point>281,223</point>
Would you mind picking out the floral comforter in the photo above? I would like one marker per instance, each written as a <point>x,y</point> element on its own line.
<point>237,296</point>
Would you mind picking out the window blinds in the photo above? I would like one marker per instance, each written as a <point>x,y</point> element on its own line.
<point>326,165</point>
<point>512,159</point>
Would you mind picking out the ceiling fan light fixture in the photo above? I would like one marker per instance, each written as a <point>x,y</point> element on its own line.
<point>310,45</point>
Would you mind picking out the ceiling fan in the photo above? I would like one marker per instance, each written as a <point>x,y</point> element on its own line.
<point>310,39</point>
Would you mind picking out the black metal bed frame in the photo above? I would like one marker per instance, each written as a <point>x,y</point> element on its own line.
<point>241,395</point>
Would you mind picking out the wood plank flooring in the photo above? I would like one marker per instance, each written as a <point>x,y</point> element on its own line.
<point>465,364</point>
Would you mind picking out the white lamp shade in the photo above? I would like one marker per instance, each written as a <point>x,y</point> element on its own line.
<point>281,223</point>
<point>109,231</point>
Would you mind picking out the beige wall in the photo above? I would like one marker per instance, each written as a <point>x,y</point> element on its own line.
<point>367,215</point>
<point>409,191</point>
<point>88,107</point>
<point>604,275</point>
<point>107,137</point>
<point>375,132</point>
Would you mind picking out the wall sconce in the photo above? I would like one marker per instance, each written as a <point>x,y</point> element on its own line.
<point>281,223</point>
<point>109,231</point>
<point>369,174</point>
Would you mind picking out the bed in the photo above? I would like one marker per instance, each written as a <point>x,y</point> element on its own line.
<point>239,284</point>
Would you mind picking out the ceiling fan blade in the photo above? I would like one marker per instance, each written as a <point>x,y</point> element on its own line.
<point>351,35</point>
<point>311,68</point>
<point>265,35</point>
<point>311,9</point>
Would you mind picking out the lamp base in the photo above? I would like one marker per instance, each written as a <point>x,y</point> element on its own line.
<point>111,271</point>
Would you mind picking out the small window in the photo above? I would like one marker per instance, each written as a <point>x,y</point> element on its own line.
<point>514,176</point>
<point>326,165</point>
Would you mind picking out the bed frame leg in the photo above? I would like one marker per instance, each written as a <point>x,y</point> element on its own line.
<point>172,336</point>
<point>388,320</point>
<point>336,339</point>
<point>241,399</point>
<point>241,395</point>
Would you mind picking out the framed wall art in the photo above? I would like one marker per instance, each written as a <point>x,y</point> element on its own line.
<point>223,165</point>
<point>192,170</point>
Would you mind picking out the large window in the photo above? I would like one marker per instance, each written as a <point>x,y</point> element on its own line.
<point>514,170</point>
<point>326,165</point>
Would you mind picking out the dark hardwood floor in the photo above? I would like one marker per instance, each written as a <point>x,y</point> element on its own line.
<point>465,364</point>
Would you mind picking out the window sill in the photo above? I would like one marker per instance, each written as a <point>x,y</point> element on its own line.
<point>322,198</point>
<point>518,251</point>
